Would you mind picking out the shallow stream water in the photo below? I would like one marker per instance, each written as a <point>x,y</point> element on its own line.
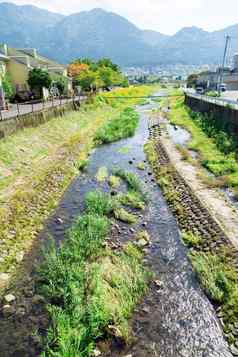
<point>181,321</point>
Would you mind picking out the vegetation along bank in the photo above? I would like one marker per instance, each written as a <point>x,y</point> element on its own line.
<point>214,258</point>
<point>37,164</point>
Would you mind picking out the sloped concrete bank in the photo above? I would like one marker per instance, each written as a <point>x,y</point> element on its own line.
<point>11,126</point>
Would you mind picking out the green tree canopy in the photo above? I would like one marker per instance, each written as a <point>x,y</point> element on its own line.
<point>39,78</point>
<point>7,86</point>
<point>86,79</point>
<point>101,74</point>
<point>192,80</point>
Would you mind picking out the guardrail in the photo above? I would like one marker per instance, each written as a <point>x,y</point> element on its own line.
<point>215,100</point>
<point>18,110</point>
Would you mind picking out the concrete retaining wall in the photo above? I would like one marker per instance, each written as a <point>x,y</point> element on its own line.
<point>10,126</point>
<point>225,114</point>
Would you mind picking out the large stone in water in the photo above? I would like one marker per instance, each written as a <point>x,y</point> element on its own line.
<point>9,298</point>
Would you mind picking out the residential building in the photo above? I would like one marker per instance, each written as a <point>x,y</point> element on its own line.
<point>18,63</point>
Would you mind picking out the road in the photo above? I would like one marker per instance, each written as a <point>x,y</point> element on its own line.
<point>227,98</point>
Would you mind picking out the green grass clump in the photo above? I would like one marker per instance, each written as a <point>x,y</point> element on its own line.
<point>190,239</point>
<point>122,215</point>
<point>102,174</point>
<point>81,164</point>
<point>132,180</point>
<point>99,203</point>
<point>114,181</point>
<point>216,276</point>
<point>124,150</point>
<point>118,128</point>
<point>220,281</point>
<point>132,199</point>
<point>89,287</point>
<point>141,166</point>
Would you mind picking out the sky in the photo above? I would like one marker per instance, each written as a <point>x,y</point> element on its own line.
<point>166,16</point>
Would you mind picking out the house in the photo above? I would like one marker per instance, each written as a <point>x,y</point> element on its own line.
<point>19,62</point>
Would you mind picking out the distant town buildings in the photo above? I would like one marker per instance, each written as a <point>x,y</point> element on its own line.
<point>229,76</point>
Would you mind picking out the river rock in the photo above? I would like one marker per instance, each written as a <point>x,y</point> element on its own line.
<point>159,283</point>
<point>59,220</point>
<point>96,352</point>
<point>19,256</point>
<point>8,310</point>
<point>9,298</point>
<point>4,277</point>
<point>142,243</point>
<point>38,299</point>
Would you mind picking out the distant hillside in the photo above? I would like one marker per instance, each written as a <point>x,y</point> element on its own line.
<point>98,33</point>
<point>26,25</point>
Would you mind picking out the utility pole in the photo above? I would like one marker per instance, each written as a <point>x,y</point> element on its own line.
<point>223,64</point>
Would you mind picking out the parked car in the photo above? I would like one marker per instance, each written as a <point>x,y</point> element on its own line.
<point>200,90</point>
<point>222,87</point>
<point>23,96</point>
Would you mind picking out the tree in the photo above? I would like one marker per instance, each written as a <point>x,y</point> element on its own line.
<point>86,79</point>
<point>38,79</point>
<point>7,86</point>
<point>106,62</point>
<point>192,80</point>
<point>101,74</point>
<point>105,75</point>
<point>61,84</point>
<point>76,68</point>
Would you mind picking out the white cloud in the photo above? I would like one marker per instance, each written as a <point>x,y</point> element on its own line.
<point>166,16</point>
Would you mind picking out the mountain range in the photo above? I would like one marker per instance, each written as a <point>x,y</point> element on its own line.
<point>98,33</point>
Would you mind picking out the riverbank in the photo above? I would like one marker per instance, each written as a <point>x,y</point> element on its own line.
<point>215,148</point>
<point>37,165</point>
<point>173,317</point>
<point>208,224</point>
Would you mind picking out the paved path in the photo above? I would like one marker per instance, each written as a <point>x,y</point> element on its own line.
<point>22,109</point>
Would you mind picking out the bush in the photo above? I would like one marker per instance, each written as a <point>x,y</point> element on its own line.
<point>118,128</point>
<point>7,87</point>
<point>39,79</point>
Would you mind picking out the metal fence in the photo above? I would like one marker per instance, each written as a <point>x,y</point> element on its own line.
<point>19,109</point>
<point>215,100</point>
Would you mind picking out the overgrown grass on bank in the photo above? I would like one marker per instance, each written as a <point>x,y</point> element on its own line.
<point>119,127</point>
<point>91,289</point>
<point>220,282</point>
<point>216,150</point>
<point>37,164</point>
